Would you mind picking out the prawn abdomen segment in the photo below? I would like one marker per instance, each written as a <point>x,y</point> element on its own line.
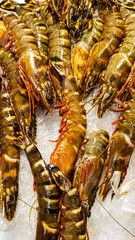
<point>47,194</point>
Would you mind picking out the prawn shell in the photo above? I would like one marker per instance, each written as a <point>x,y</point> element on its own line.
<point>81,49</point>
<point>38,28</point>
<point>119,65</point>
<point>30,61</point>
<point>19,97</point>
<point>121,145</point>
<point>89,166</point>
<point>72,223</point>
<point>101,52</point>
<point>10,139</point>
<point>47,194</point>
<point>59,55</point>
<point>73,128</point>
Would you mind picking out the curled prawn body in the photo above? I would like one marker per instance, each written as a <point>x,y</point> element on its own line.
<point>120,63</point>
<point>121,145</point>
<point>59,49</point>
<point>80,52</point>
<point>113,33</point>
<point>89,166</point>
<point>30,61</point>
<point>10,140</point>
<point>19,97</point>
<point>73,128</point>
<point>48,195</point>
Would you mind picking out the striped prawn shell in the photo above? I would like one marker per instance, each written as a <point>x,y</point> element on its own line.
<point>130,4</point>
<point>30,61</point>
<point>75,14</point>
<point>47,16</point>
<point>100,53</point>
<point>72,225</point>
<point>38,28</point>
<point>81,49</point>
<point>59,49</point>
<point>56,6</point>
<point>70,12</point>
<point>73,128</point>
<point>121,145</point>
<point>19,97</point>
<point>82,22</point>
<point>10,155</point>
<point>47,194</point>
<point>120,63</point>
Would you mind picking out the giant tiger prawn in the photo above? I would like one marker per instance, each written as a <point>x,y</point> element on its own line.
<point>42,47</point>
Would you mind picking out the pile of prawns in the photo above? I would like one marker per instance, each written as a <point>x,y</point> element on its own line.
<point>54,54</point>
